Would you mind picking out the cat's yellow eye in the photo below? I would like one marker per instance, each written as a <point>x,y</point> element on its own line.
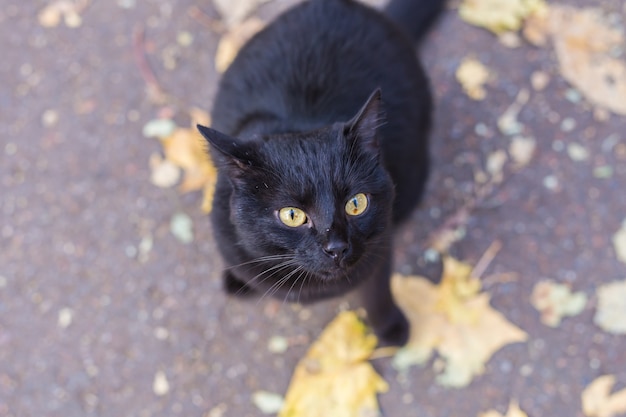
<point>292,216</point>
<point>357,204</point>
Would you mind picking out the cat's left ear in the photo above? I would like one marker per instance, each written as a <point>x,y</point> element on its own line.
<point>364,125</point>
<point>230,150</point>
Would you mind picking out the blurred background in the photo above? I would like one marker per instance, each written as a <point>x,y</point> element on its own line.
<point>110,300</point>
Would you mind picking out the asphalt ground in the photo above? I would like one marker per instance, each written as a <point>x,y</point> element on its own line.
<point>90,316</point>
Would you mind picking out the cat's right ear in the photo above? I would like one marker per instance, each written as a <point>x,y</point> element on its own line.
<point>230,150</point>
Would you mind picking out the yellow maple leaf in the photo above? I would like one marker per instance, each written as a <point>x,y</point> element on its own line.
<point>514,411</point>
<point>499,15</point>
<point>598,401</point>
<point>473,75</point>
<point>453,319</point>
<point>334,378</point>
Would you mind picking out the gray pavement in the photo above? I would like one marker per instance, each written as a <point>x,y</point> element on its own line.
<point>89,316</point>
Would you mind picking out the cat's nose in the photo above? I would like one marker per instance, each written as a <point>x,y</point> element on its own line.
<point>336,249</point>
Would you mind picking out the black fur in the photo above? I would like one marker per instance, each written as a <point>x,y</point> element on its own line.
<point>293,127</point>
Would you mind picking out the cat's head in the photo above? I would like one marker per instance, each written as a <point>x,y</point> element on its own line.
<point>323,198</point>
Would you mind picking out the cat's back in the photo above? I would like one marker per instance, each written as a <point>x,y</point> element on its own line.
<point>317,64</point>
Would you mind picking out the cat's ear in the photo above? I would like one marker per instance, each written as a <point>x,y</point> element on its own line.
<point>364,125</point>
<point>230,150</point>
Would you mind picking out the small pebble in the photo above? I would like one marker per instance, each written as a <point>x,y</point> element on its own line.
<point>568,124</point>
<point>577,152</point>
<point>65,317</point>
<point>539,80</point>
<point>49,118</point>
<point>551,182</point>
<point>160,385</point>
<point>278,344</point>
<point>573,96</point>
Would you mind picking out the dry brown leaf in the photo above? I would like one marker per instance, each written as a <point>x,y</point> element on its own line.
<point>611,310</point>
<point>472,75</point>
<point>597,399</point>
<point>554,301</point>
<point>453,319</point>
<point>233,40</point>
<point>514,411</point>
<point>499,15</point>
<point>335,379</point>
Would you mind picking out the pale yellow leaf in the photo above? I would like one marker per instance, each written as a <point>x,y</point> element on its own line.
<point>499,15</point>
<point>611,310</point>
<point>521,150</point>
<point>514,411</point>
<point>233,40</point>
<point>233,12</point>
<point>598,401</point>
<point>554,301</point>
<point>584,40</point>
<point>335,379</point>
<point>454,320</point>
<point>472,75</point>
<point>163,173</point>
<point>619,242</point>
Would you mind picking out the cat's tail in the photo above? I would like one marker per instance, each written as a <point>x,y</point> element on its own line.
<point>415,16</point>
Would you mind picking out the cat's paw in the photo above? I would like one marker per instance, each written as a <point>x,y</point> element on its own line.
<point>395,331</point>
<point>233,286</point>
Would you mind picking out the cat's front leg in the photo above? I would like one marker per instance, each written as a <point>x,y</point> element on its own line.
<point>388,321</point>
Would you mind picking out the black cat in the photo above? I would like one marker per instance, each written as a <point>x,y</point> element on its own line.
<point>325,116</point>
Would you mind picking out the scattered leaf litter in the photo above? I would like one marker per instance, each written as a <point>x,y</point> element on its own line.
<point>514,411</point>
<point>555,301</point>
<point>611,310</point>
<point>598,401</point>
<point>335,378</point>
<point>67,11</point>
<point>453,319</point>
<point>472,75</point>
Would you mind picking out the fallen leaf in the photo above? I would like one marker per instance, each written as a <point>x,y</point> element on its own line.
<point>495,165</point>
<point>499,15</point>
<point>597,399</point>
<point>584,41</point>
<point>619,242</point>
<point>554,301</point>
<point>267,402</point>
<point>521,150</point>
<point>51,15</point>
<point>453,319</point>
<point>181,227</point>
<point>233,40</point>
<point>163,173</point>
<point>185,150</point>
<point>514,411</point>
<point>335,379</point>
<point>472,75</point>
<point>159,128</point>
<point>611,310</point>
